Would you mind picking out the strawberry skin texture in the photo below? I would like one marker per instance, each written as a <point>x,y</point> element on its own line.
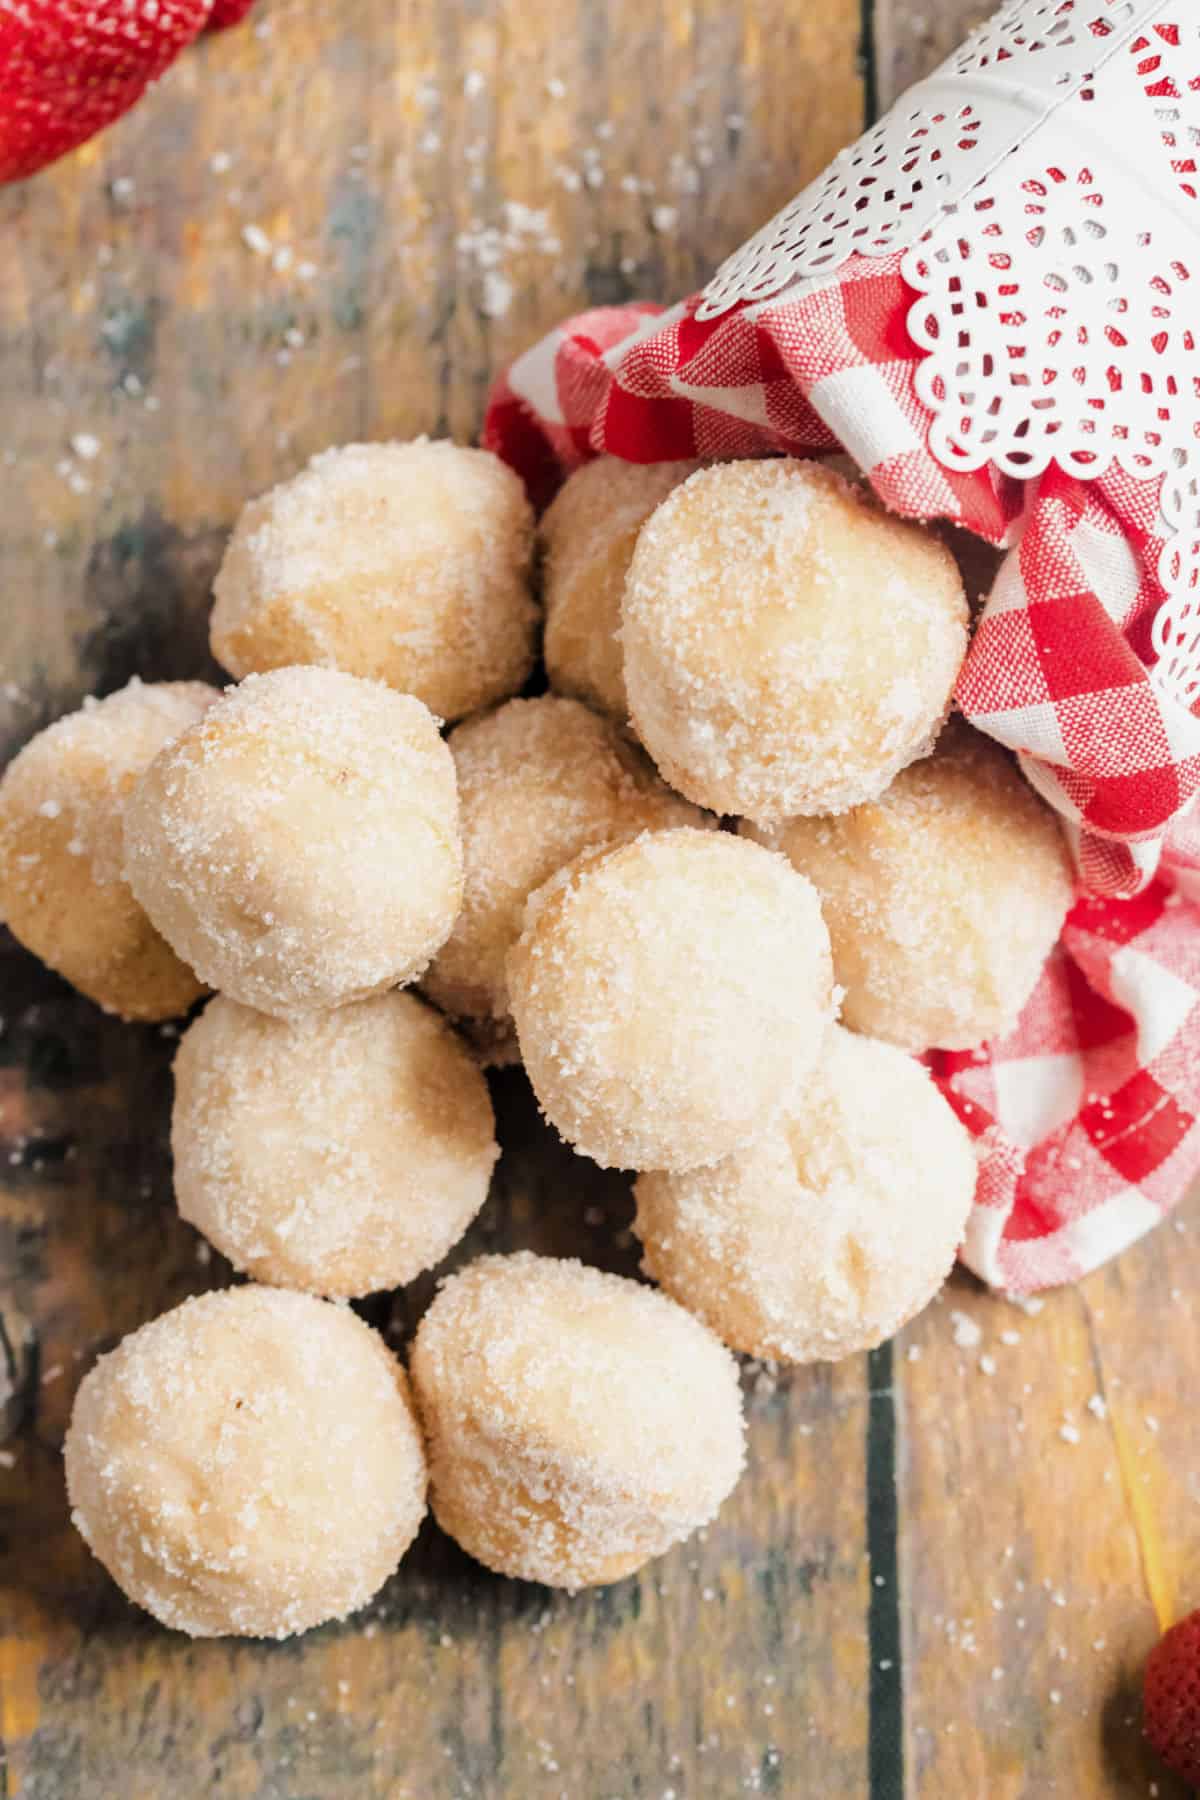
<point>228,12</point>
<point>70,67</point>
<point>1171,1699</point>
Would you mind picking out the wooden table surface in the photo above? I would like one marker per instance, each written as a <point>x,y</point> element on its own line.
<point>948,1559</point>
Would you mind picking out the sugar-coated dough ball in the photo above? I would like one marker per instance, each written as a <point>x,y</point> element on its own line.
<point>62,892</point>
<point>248,1464</point>
<point>823,1236</point>
<point>341,1152</point>
<point>300,845</point>
<point>539,782</point>
<point>788,646</point>
<point>670,996</point>
<point>408,563</point>
<point>588,534</point>
<point>577,1423</point>
<point>943,898</point>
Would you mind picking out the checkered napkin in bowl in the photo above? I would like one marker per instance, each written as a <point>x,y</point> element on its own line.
<point>1087,1115</point>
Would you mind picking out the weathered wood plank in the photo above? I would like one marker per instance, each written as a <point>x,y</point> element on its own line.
<point>910,37</point>
<point>1025,1594</point>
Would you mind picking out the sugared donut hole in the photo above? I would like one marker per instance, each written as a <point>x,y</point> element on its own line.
<point>943,898</point>
<point>825,1235</point>
<point>539,782</point>
<point>403,562</point>
<point>670,995</point>
<point>62,891</point>
<point>578,1423</point>
<point>299,847</point>
<point>588,535</point>
<point>248,1464</point>
<point>341,1152</point>
<point>788,646</point>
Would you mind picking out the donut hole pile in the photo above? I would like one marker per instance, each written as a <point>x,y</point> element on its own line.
<point>717,890</point>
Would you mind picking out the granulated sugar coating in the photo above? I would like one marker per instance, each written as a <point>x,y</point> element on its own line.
<point>788,647</point>
<point>249,1464</point>
<point>670,996</point>
<point>588,535</point>
<point>342,1152</point>
<point>299,847</point>
<point>826,1234</point>
<point>408,563</point>
<point>539,782</point>
<point>577,1423</point>
<point>943,898</point>
<point>62,892</point>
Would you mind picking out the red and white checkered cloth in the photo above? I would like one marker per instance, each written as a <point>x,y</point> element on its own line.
<point>1086,1115</point>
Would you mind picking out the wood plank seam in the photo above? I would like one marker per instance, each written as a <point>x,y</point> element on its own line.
<point>885,1677</point>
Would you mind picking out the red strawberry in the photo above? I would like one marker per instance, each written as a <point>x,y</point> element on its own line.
<point>70,67</point>
<point>228,12</point>
<point>1171,1698</point>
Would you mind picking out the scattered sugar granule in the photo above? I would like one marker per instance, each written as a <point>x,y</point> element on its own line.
<point>281,261</point>
<point>123,189</point>
<point>85,445</point>
<point>556,88</point>
<point>1151,1422</point>
<point>664,218</point>
<point>256,239</point>
<point>474,84</point>
<point>1055,1697</point>
<point>987,1365</point>
<point>497,294</point>
<point>220,162</point>
<point>1069,1434</point>
<point>8,1459</point>
<point>1097,1407</point>
<point>52,1374</point>
<point>966,1332</point>
<point>913,1353</point>
<point>1010,1337</point>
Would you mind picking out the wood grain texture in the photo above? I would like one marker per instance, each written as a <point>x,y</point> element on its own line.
<point>919,1560</point>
